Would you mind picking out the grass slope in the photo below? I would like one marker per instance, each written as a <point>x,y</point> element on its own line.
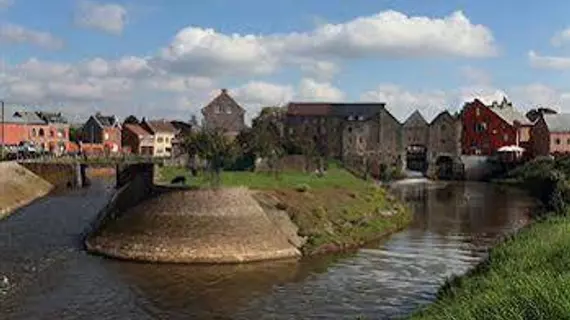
<point>335,212</point>
<point>526,277</point>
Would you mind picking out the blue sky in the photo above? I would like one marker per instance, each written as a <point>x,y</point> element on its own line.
<point>167,60</point>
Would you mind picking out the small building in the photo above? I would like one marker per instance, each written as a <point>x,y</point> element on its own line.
<point>137,139</point>
<point>224,113</point>
<point>104,130</point>
<point>313,120</point>
<point>21,127</point>
<point>163,133</point>
<point>415,138</point>
<point>487,128</point>
<point>444,146</point>
<point>551,135</point>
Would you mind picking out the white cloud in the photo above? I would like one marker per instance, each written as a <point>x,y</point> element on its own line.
<point>548,62</point>
<point>402,102</point>
<point>475,75</point>
<point>312,90</point>
<point>107,17</point>
<point>560,38</point>
<point>15,34</point>
<point>5,4</point>
<point>387,34</point>
<point>320,70</point>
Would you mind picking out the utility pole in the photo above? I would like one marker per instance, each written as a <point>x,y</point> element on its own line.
<point>3,125</point>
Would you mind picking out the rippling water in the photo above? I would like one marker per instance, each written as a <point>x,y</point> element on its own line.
<point>52,278</point>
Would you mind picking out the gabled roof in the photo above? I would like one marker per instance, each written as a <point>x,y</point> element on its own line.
<point>559,122</point>
<point>440,115</point>
<point>106,121</point>
<point>224,95</point>
<point>160,126</point>
<point>24,117</point>
<point>415,119</point>
<point>510,114</point>
<point>52,117</point>
<point>308,108</point>
<point>137,129</point>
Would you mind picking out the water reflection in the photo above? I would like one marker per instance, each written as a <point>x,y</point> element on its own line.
<point>453,225</point>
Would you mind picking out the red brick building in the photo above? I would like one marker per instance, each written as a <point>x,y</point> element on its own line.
<point>46,131</point>
<point>488,128</point>
<point>103,130</point>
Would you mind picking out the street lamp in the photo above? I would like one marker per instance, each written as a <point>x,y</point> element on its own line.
<point>3,125</point>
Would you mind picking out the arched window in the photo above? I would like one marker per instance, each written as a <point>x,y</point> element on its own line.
<point>42,133</point>
<point>34,132</point>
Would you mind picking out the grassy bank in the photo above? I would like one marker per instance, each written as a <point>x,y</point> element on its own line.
<point>526,277</point>
<point>335,212</point>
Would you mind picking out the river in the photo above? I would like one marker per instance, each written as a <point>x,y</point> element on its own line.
<point>51,277</point>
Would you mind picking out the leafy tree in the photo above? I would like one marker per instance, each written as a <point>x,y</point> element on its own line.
<point>74,134</point>
<point>213,146</point>
<point>265,139</point>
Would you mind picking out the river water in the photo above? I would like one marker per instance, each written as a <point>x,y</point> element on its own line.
<point>49,276</point>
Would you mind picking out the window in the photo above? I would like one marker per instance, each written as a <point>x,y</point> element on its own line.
<point>360,140</point>
<point>442,141</point>
<point>291,131</point>
<point>443,127</point>
<point>477,112</point>
<point>494,131</point>
<point>160,139</point>
<point>166,139</point>
<point>568,141</point>
<point>506,137</point>
<point>42,133</point>
<point>106,136</point>
<point>51,133</point>
<point>218,108</point>
<point>34,132</point>
<point>557,141</point>
<point>159,151</point>
<point>228,110</point>
<point>349,129</point>
<point>481,127</point>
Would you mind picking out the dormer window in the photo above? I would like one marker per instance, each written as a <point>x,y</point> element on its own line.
<point>360,118</point>
<point>350,118</point>
<point>229,110</point>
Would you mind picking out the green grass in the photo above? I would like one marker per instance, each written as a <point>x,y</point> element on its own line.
<point>335,212</point>
<point>335,177</point>
<point>526,277</point>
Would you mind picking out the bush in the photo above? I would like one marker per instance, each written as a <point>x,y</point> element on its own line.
<point>302,187</point>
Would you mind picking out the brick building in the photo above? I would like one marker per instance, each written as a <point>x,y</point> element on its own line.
<point>551,135</point>
<point>488,128</point>
<point>224,113</point>
<point>103,130</point>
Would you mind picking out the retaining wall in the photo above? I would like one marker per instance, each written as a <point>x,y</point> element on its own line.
<point>19,187</point>
<point>60,175</point>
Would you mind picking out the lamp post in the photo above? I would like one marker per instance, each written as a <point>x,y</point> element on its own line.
<point>3,125</point>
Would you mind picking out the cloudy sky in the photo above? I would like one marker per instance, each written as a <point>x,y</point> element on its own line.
<point>166,59</point>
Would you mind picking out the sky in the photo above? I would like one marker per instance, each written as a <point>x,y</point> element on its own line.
<point>168,59</point>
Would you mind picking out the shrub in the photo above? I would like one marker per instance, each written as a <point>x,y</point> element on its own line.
<point>302,187</point>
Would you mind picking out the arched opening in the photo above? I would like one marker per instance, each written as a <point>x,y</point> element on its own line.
<point>42,133</point>
<point>444,165</point>
<point>416,158</point>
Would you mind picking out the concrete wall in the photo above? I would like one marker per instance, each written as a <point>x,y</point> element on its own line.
<point>60,175</point>
<point>19,187</point>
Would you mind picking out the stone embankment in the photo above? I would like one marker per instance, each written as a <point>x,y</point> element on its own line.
<point>19,187</point>
<point>225,225</point>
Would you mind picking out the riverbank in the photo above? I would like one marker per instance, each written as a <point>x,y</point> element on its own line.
<point>526,276</point>
<point>19,187</point>
<point>334,212</point>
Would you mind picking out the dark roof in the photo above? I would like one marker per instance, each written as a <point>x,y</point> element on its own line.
<point>363,109</point>
<point>416,116</point>
<point>182,126</point>
<point>160,126</point>
<point>137,129</point>
<point>106,121</point>
<point>559,122</point>
<point>52,117</point>
<point>308,108</point>
<point>440,115</point>
<point>23,117</point>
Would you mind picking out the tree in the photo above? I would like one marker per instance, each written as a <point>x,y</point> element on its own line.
<point>266,137</point>
<point>213,146</point>
<point>74,134</point>
<point>131,120</point>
